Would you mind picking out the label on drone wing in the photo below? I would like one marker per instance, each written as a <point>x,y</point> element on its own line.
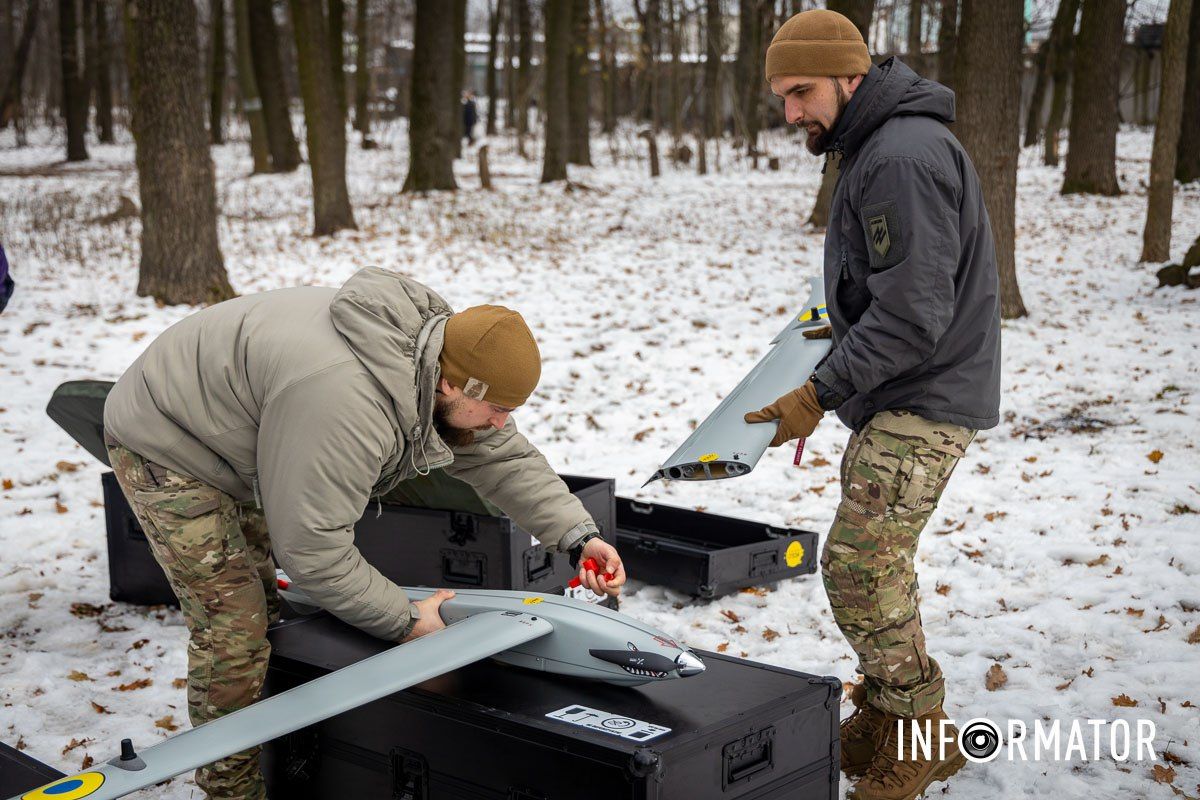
<point>616,724</point>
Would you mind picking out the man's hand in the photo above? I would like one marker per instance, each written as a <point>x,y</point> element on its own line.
<point>798,413</point>
<point>431,616</point>
<point>605,555</point>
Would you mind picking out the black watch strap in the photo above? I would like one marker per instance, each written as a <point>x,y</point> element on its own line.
<point>576,551</point>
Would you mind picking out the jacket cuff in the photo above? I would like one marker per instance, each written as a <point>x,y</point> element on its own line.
<point>572,537</point>
<point>832,380</point>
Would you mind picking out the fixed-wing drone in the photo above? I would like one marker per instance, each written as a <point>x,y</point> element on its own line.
<point>543,632</point>
<point>725,445</point>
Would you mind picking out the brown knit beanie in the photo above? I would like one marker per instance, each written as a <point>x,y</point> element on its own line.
<point>490,354</point>
<point>818,42</point>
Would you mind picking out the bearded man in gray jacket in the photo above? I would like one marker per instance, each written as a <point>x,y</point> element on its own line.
<point>913,299</point>
<point>263,425</point>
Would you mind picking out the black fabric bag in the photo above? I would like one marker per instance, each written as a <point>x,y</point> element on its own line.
<point>78,408</point>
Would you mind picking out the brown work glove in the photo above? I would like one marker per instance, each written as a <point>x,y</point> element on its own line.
<point>798,413</point>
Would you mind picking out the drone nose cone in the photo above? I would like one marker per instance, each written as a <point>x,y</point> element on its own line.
<point>689,664</point>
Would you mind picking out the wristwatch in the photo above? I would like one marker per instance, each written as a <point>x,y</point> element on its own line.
<point>827,397</point>
<point>576,552</point>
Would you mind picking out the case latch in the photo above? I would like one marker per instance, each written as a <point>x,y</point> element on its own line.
<point>748,756</point>
<point>410,775</point>
<point>464,568</point>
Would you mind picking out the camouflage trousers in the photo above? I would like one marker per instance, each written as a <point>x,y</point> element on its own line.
<point>216,554</point>
<point>893,474</point>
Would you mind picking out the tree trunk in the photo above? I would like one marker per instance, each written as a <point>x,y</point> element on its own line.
<point>495,20</point>
<point>714,40</point>
<point>579,76</point>
<point>1156,238</point>
<point>608,71</point>
<point>1092,144</point>
<point>947,42</point>
<point>524,70</point>
<point>430,157</point>
<point>88,69</point>
<point>1037,101</point>
<point>987,71</point>
<point>916,14</point>
<point>272,90</point>
<point>859,12</point>
<point>455,132</point>
<point>181,258</point>
<point>102,73</point>
<point>1062,48</point>
<point>747,50</point>
<point>675,92</point>
<point>336,28</point>
<point>1188,167</point>
<point>216,73</point>
<point>649,48</point>
<point>325,129</point>
<point>74,97</point>
<point>252,106</point>
<point>485,172</point>
<point>510,69</point>
<point>362,74</point>
<point>10,100</point>
<point>558,43</point>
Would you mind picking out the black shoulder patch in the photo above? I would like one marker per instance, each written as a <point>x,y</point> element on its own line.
<point>881,226</point>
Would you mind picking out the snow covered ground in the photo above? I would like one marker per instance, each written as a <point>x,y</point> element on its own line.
<point>1065,550</point>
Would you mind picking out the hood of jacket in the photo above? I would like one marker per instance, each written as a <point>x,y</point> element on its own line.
<point>395,327</point>
<point>888,90</point>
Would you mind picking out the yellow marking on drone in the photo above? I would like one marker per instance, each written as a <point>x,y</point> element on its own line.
<point>794,555</point>
<point>816,313</point>
<point>707,457</point>
<point>71,788</point>
<point>529,601</point>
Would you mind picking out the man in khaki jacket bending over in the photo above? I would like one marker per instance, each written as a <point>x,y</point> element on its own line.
<point>286,412</point>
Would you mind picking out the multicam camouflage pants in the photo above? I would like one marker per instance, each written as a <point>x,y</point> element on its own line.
<point>216,555</point>
<point>893,474</point>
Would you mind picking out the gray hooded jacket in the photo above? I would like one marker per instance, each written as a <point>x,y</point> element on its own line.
<point>314,400</point>
<point>910,267</point>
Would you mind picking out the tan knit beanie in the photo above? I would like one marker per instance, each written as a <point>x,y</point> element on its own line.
<point>490,354</point>
<point>818,42</point>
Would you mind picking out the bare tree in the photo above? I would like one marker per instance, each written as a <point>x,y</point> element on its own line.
<point>10,99</point>
<point>430,156</point>
<point>987,72</point>
<point>252,105</point>
<point>558,43</point>
<point>216,73</point>
<point>579,72</point>
<point>99,65</point>
<point>1156,237</point>
<point>859,12</point>
<point>458,71</point>
<point>510,68</point>
<point>272,91</point>
<point>608,69</point>
<point>362,70</point>
<point>714,49</point>
<point>1092,155</point>
<point>524,70</point>
<point>746,71</point>
<point>1062,48</point>
<point>947,42</point>
<point>74,95</point>
<point>325,129</point>
<point>1188,167</point>
<point>495,20</point>
<point>649,48</point>
<point>916,17</point>
<point>336,27</point>
<point>181,259</point>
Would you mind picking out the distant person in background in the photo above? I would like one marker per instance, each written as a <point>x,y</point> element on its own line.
<point>6,281</point>
<point>470,116</point>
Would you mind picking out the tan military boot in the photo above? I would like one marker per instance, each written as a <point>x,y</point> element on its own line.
<point>859,733</point>
<point>891,777</point>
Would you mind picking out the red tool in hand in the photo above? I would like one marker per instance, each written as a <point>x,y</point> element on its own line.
<point>799,452</point>
<point>591,566</point>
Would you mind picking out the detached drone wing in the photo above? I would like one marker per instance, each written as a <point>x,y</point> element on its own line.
<point>469,640</point>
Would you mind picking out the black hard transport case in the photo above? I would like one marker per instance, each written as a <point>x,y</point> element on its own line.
<point>707,555</point>
<point>739,730</point>
<point>20,773</point>
<point>411,546</point>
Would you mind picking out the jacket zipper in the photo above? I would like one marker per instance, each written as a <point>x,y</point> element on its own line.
<point>257,494</point>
